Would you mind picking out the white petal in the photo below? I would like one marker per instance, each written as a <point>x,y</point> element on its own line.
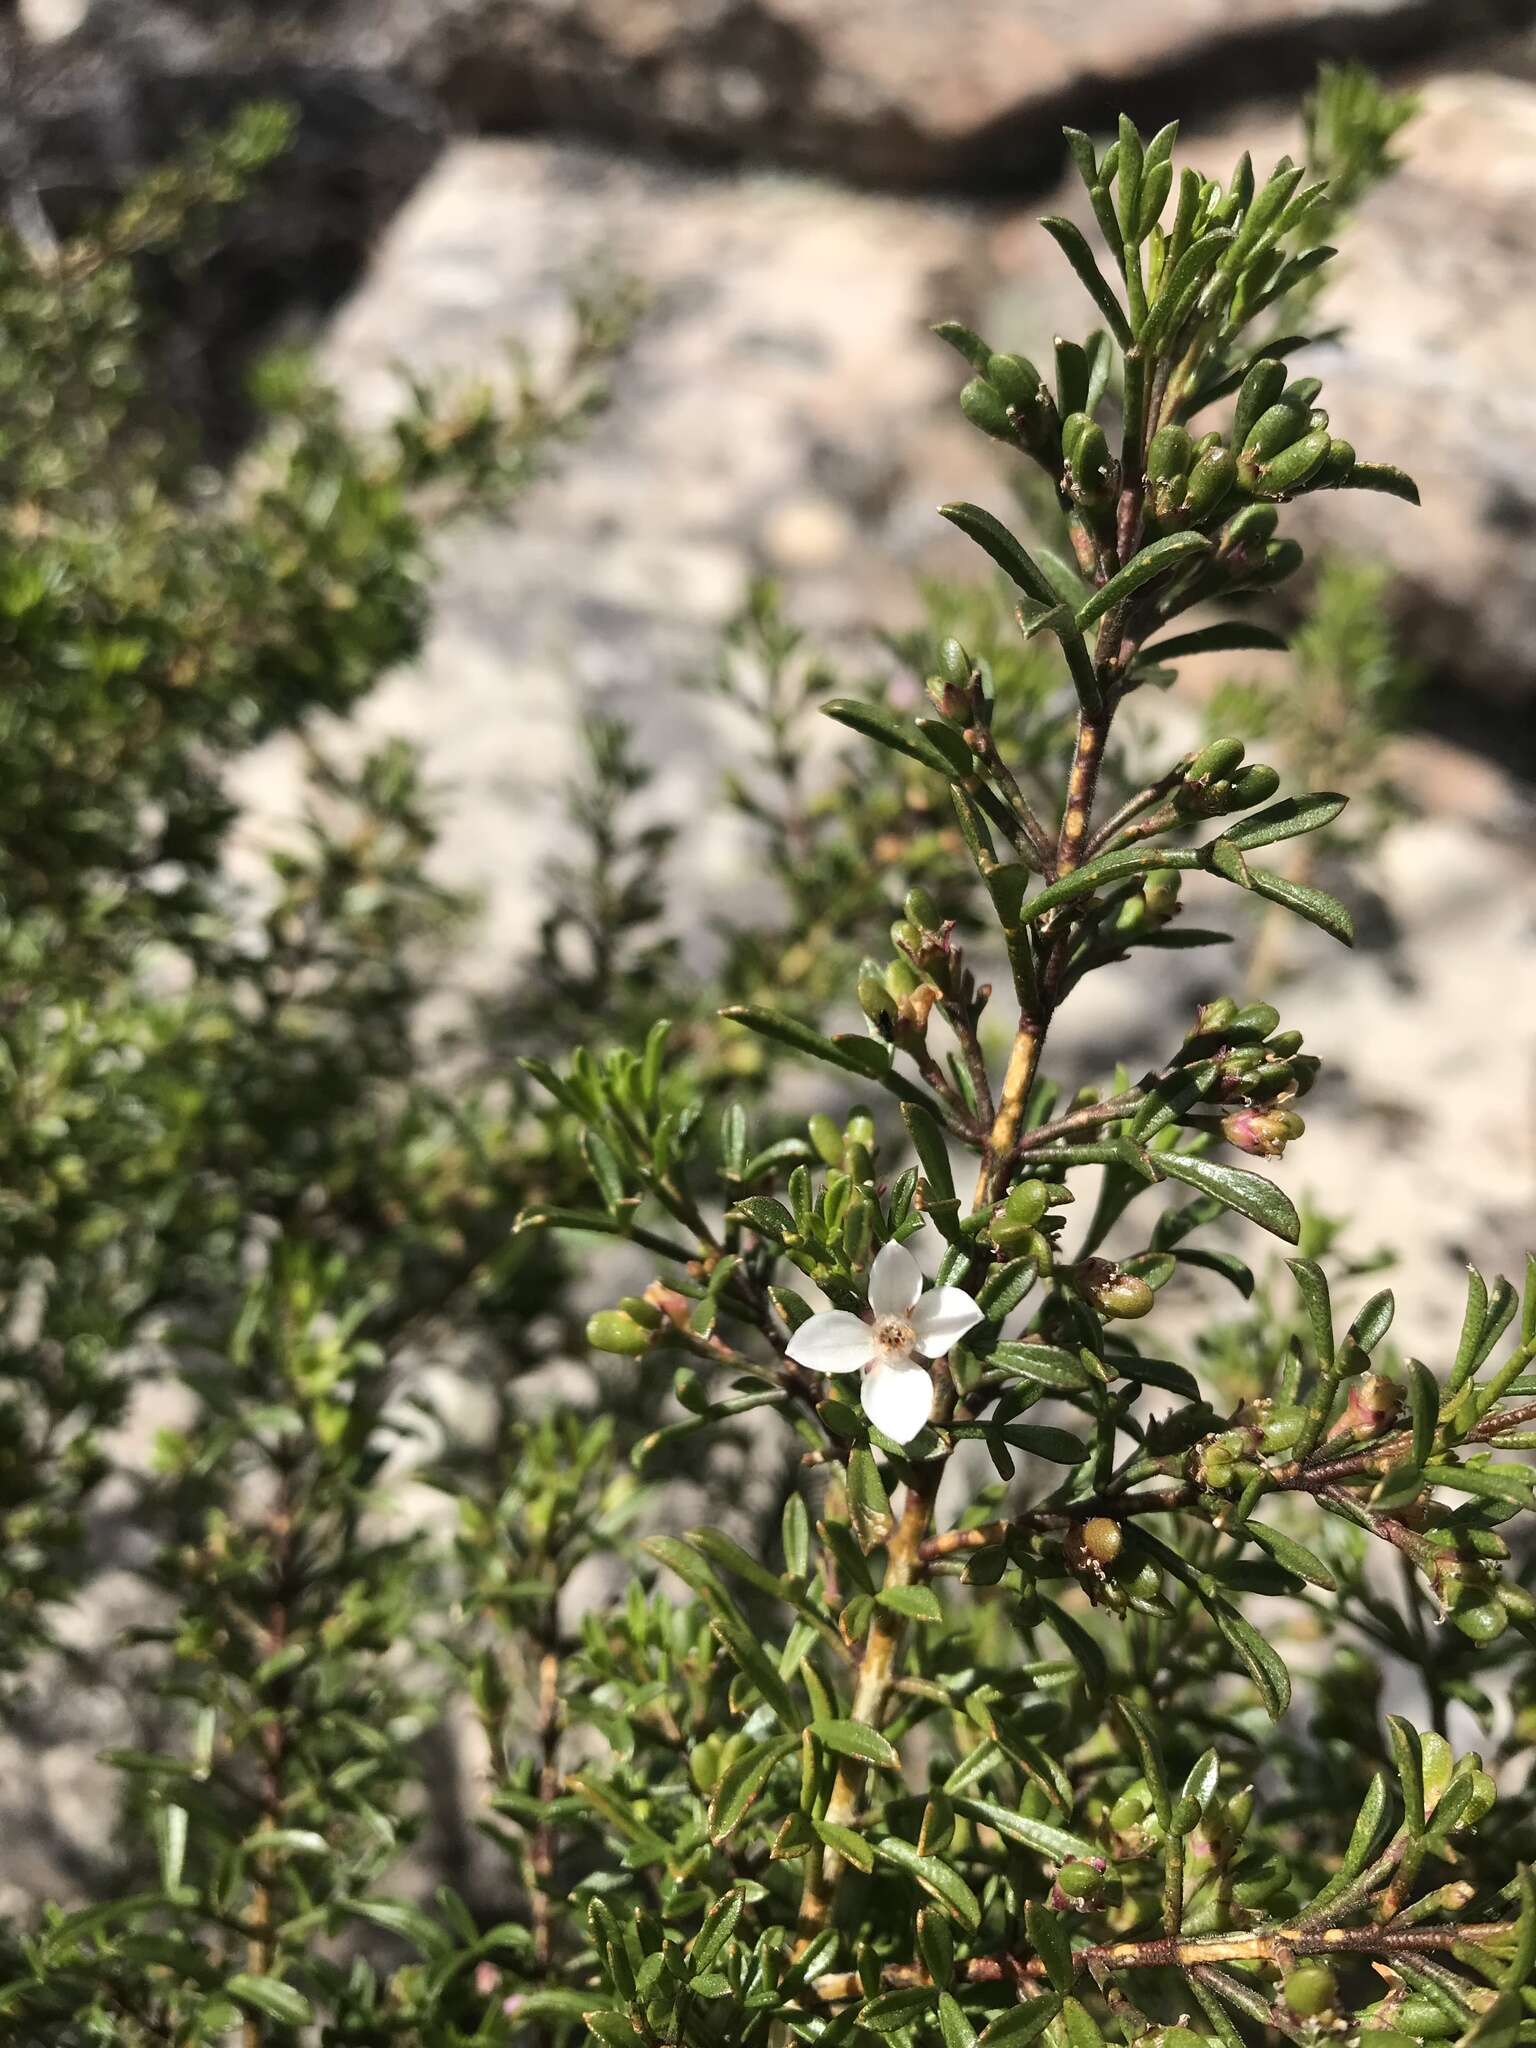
<point>895,1280</point>
<point>942,1318</point>
<point>897,1398</point>
<point>833,1341</point>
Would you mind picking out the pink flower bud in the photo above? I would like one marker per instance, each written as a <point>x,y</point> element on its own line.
<point>1263,1132</point>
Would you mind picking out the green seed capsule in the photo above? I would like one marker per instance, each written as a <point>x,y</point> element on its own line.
<point>1311,1990</point>
<point>1090,461</point>
<point>1256,785</point>
<point>1273,430</point>
<point>984,408</point>
<point>1421,2017</point>
<point>1027,1202</point>
<point>1170,455</point>
<point>1016,380</point>
<point>827,1139</point>
<point>1298,464</point>
<point>922,910</point>
<point>1160,891</point>
<point>1210,481</point>
<point>611,1330</point>
<point>1079,1880</point>
<point>1482,1621</point>
<point>1254,523</point>
<point>954,662</point>
<point>1217,760</point>
<point>1282,558</point>
<point>1260,389</point>
<point>641,1311</point>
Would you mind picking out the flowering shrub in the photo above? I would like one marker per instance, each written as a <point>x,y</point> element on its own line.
<point>1026,1680</point>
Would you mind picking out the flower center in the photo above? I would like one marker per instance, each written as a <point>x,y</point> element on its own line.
<point>893,1337</point>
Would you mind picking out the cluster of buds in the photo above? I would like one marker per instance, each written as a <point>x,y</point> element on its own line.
<point>959,690</point>
<point>1023,1225</point>
<point>1282,436</point>
<point>1008,398</point>
<point>1216,782</point>
<point>1245,1059</point>
<point>929,968</point>
<point>1189,481</point>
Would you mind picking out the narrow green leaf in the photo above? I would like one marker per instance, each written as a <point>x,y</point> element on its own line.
<point>742,1781</point>
<point>1150,561</point>
<point>1423,1409</point>
<point>1009,553</point>
<point>1047,1936</point>
<point>1315,905</point>
<point>1290,819</point>
<point>1260,1659</point>
<point>869,1506</point>
<point>271,1997</point>
<point>915,1603</point>
<point>1059,1844</point>
<point>409,1922</point>
<point>1070,240</point>
<point>1407,1760</point>
<point>874,722</point>
<point>1381,476</point>
<point>848,1844</point>
<point>1232,636</point>
<point>1022,2024</point>
<point>893,2011</point>
<point>1291,1555</point>
<point>1235,1188</point>
<point>1150,1751</point>
<point>955,2028</point>
<point>936,1878</point>
<point>853,1738</point>
<point>1312,1282</point>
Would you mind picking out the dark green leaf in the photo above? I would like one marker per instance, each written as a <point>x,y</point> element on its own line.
<point>1289,819</point>
<point>1315,905</point>
<point>936,1878</point>
<point>1070,240</point>
<point>1235,1188</point>
<point>1291,1555</point>
<point>887,730</point>
<point>1059,1844</point>
<point>1233,636</point>
<point>852,1738</point>
<point>1150,561</point>
<point>271,1997</point>
<point>742,1781</point>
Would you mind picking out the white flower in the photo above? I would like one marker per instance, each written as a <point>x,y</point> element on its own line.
<point>897,1391</point>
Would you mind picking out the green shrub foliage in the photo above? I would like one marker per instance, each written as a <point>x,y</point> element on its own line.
<point>1088,1634</point>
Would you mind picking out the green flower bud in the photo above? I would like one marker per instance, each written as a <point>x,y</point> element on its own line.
<point>611,1330</point>
<point>906,937</point>
<point>1258,1018</point>
<point>1338,466</point>
<point>1298,464</point>
<point>1256,785</point>
<point>1311,1990</point>
<point>1016,380</point>
<point>954,662</point>
<point>641,1311</point>
<point>1079,1880</point>
<point>1213,1016</point>
<point>1482,1621</point>
<point>1420,2016</point>
<point>704,1764</point>
<point>860,1130</point>
<point>1160,892</point>
<point>1210,481</point>
<point>1027,1202</point>
<point>922,911</point>
<point>984,408</point>
<point>1088,463</point>
<point>1283,1043</point>
<point>902,979</point>
<point>1282,558</point>
<point>875,999</point>
<point>1253,524</point>
<point>1260,389</point>
<point>1170,455</point>
<point>827,1139</point>
<point>1216,760</point>
<point>1303,390</point>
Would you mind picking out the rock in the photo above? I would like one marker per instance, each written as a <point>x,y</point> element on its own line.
<point>783,409</point>
<point>895,92</point>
